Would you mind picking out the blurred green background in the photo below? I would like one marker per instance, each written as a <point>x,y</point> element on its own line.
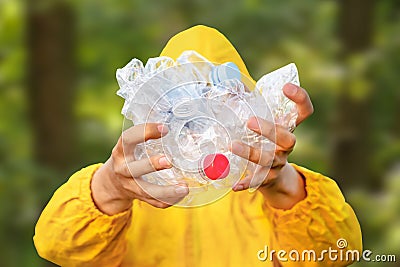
<point>59,111</point>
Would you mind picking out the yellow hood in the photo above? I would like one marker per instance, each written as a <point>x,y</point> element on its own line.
<point>208,42</point>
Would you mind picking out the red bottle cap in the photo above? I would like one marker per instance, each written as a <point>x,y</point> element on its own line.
<point>216,166</point>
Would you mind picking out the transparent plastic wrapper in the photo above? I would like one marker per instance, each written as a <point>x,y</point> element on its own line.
<point>205,106</point>
<point>270,85</point>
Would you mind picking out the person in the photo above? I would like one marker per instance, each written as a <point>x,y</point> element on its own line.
<point>102,216</point>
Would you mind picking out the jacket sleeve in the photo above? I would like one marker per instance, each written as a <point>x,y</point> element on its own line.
<point>322,223</point>
<point>71,231</point>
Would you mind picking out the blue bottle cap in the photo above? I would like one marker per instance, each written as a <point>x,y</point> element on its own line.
<point>228,71</point>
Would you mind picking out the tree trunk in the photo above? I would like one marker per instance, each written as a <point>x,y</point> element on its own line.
<point>351,154</point>
<point>51,81</point>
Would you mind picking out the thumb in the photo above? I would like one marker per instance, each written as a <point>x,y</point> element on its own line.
<point>303,102</point>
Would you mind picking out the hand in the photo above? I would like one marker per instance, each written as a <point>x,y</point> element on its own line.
<point>273,171</point>
<point>118,182</point>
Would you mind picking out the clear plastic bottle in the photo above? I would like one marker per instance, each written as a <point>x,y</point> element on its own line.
<point>201,128</point>
<point>205,107</point>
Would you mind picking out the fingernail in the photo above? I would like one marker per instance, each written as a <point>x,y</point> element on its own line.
<point>290,89</point>
<point>162,129</point>
<point>237,147</point>
<point>239,187</point>
<point>252,123</point>
<point>180,190</point>
<point>164,162</point>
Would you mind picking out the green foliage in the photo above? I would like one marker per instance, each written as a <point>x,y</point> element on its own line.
<point>379,218</point>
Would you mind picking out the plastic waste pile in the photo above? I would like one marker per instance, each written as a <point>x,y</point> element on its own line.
<point>205,106</point>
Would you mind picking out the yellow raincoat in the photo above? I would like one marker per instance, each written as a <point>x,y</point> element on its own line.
<point>237,230</point>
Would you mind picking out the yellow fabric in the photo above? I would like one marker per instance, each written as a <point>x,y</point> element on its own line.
<point>71,231</point>
<point>211,44</point>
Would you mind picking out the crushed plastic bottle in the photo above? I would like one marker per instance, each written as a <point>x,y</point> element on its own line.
<point>205,106</point>
<point>202,120</point>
